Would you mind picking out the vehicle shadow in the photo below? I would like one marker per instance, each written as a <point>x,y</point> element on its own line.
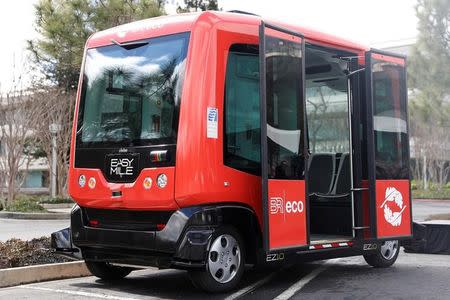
<point>168,284</point>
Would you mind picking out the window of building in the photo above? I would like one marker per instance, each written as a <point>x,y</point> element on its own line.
<point>34,179</point>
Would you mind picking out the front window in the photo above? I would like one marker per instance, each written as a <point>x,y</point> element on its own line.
<point>131,93</point>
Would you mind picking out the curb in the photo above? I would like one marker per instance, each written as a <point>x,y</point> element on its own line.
<point>34,216</point>
<point>57,205</point>
<point>38,273</point>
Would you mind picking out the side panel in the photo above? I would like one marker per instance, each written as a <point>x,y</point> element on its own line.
<point>393,208</point>
<point>201,176</point>
<point>287,218</point>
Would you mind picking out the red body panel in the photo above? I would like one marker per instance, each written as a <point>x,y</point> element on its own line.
<point>393,208</point>
<point>287,213</point>
<point>200,176</point>
<point>134,195</point>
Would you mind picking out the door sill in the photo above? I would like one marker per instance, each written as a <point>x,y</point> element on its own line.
<point>317,239</point>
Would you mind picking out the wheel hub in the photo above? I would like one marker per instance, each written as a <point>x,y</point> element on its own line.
<point>389,249</point>
<point>224,258</point>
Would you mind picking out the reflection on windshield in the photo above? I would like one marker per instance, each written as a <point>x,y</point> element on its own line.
<point>132,95</point>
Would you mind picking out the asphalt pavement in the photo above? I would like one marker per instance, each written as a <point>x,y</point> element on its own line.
<point>414,276</point>
<point>422,209</point>
<point>29,229</point>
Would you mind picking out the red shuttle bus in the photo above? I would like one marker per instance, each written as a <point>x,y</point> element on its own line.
<point>209,141</point>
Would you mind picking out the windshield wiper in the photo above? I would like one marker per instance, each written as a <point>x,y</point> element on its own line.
<point>129,45</point>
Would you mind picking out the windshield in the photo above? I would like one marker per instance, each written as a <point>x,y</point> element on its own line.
<point>131,93</point>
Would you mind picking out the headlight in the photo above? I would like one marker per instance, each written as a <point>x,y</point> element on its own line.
<point>147,183</point>
<point>82,180</point>
<point>91,182</point>
<point>162,180</point>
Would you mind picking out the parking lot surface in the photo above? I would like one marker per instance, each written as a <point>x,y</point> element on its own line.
<point>414,276</point>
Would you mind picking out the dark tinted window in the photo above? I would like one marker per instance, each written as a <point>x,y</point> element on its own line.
<point>284,109</point>
<point>389,121</point>
<point>242,122</point>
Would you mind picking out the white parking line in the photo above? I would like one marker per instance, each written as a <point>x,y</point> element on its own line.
<point>251,287</point>
<point>79,293</point>
<point>301,283</point>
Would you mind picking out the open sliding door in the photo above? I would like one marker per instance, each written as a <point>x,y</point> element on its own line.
<point>388,146</point>
<point>283,147</point>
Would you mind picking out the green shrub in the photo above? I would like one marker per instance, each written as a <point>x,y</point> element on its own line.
<point>431,194</point>
<point>447,186</point>
<point>413,184</point>
<point>25,203</point>
<point>57,200</point>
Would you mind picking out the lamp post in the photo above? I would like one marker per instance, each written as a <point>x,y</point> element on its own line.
<point>54,129</point>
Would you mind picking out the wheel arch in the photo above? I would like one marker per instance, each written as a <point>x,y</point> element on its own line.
<point>246,222</point>
<point>203,221</point>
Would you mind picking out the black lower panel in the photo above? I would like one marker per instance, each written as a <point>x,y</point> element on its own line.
<point>118,236</point>
<point>433,238</point>
<point>126,219</point>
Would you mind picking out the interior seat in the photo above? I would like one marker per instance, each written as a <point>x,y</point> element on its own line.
<point>342,183</point>
<point>322,167</point>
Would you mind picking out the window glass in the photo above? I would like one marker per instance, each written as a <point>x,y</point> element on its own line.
<point>284,109</point>
<point>328,121</point>
<point>242,115</point>
<point>389,121</point>
<point>33,179</point>
<point>131,93</point>
<point>327,108</point>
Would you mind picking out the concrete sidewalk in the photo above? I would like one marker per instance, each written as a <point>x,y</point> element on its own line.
<point>60,210</point>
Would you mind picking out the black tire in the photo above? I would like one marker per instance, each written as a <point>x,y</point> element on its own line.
<point>106,271</point>
<point>381,258</point>
<point>205,280</point>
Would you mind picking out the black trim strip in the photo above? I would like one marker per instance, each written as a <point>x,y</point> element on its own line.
<point>282,29</point>
<point>370,146</point>
<point>387,53</point>
<point>263,125</point>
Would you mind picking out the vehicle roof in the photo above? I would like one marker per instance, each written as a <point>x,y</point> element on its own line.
<point>170,24</point>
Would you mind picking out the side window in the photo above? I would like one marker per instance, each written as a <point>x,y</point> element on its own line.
<point>242,143</point>
<point>391,136</point>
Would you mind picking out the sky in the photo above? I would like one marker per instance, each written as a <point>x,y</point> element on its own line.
<point>377,23</point>
<point>16,27</point>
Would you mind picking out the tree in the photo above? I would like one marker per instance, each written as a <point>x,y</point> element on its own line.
<point>65,25</point>
<point>18,110</point>
<point>196,5</point>
<point>429,76</point>
<point>57,107</point>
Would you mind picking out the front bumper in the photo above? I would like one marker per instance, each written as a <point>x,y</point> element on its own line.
<point>182,243</point>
